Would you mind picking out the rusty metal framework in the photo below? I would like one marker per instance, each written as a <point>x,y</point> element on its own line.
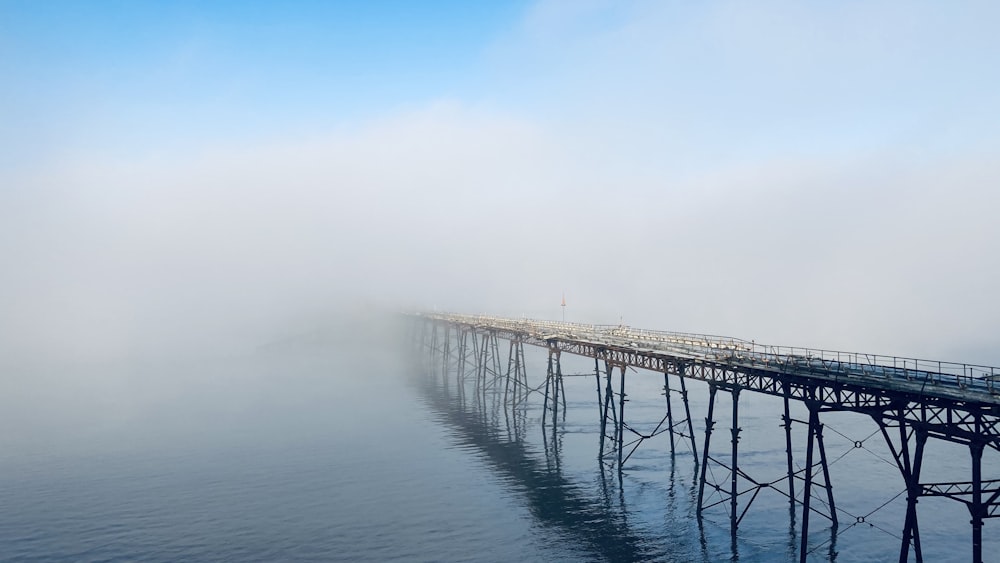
<point>516,379</point>
<point>554,386</point>
<point>910,400</point>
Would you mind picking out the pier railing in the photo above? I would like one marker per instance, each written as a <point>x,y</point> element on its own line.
<point>746,353</point>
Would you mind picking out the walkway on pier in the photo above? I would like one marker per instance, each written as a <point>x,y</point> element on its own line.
<point>925,378</point>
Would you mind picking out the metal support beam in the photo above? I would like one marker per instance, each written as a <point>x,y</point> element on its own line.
<point>734,492</point>
<point>687,415</point>
<point>446,356</point>
<point>709,425</point>
<point>911,531</point>
<point>786,421</point>
<point>670,414</point>
<point>511,358</point>
<point>548,385</point>
<point>556,385</point>
<point>674,422</point>
<point>553,385</point>
<point>516,380</point>
<point>825,466</point>
<point>481,372</point>
<point>976,506</point>
<point>463,360</point>
<point>909,467</point>
<point>561,383</point>
<point>807,491</point>
<point>475,363</point>
<point>610,443</point>
<point>597,376</point>
<point>621,420</point>
<point>432,350</point>
<point>815,441</point>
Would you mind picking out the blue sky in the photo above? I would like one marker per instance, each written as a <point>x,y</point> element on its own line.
<point>815,173</point>
<point>163,72</point>
<point>788,76</point>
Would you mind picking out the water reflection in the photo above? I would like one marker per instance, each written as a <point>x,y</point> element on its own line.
<point>595,511</point>
<point>597,524</point>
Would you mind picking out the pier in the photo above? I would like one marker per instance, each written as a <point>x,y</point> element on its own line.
<point>910,400</point>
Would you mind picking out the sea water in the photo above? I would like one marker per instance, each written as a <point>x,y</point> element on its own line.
<point>353,447</point>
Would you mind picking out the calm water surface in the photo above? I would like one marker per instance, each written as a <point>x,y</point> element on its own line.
<point>334,452</point>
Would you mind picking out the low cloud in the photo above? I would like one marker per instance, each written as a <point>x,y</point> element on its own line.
<point>674,168</point>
